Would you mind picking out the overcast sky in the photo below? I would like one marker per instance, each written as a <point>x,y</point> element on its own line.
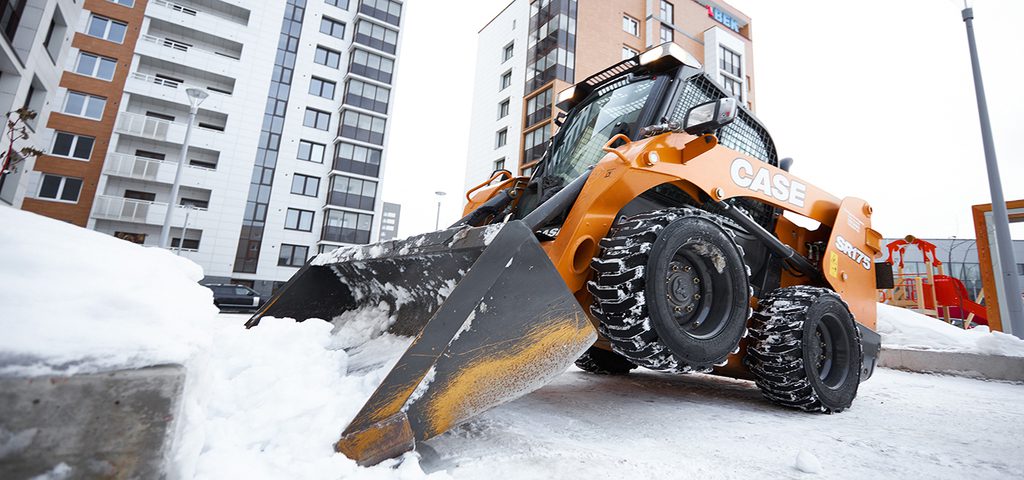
<point>871,99</point>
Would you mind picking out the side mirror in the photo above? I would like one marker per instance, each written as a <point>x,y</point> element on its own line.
<point>710,116</point>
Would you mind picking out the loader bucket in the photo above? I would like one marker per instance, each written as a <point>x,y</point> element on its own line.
<point>490,316</point>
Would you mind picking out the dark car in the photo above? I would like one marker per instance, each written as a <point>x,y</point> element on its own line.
<point>235,297</point>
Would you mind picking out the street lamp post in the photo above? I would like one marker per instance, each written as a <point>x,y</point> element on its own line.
<point>195,97</point>
<point>1000,219</point>
<point>437,220</point>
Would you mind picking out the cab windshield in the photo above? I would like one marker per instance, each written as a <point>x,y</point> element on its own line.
<point>610,113</point>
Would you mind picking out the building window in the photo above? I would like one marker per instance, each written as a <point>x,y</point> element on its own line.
<point>55,35</point>
<point>342,4</point>
<point>499,164</point>
<point>386,10</point>
<point>56,187</point>
<point>376,36</point>
<point>194,203</point>
<point>105,28</point>
<point>317,119</point>
<point>506,80</point>
<point>501,138</point>
<point>666,33</point>
<point>503,108</point>
<point>347,227</point>
<point>186,244</point>
<point>321,88</point>
<point>95,66</point>
<point>733,87</point>
<point>301,220</point>
<point>362,127</point>
<point>311,151</point>
<point>630,25</point>
<point>1020,269</point>
<point>305,185</point>
<point>352,192</point>
<point>34,99</point>
<point>371,65</point>
<point>729,62</point>
<point>364,95</point>
<point>126,3</point>
<point>292,255</point>
<point>628,53</point>
<point>84,105</point>
<point>357,159</point>
<point>326,56</point>
<point>535,142</point>
<point>538,108</point>
<point>72,146</point>
<point>507,52</point>
<point>668,12</point>
<point>332,27</point>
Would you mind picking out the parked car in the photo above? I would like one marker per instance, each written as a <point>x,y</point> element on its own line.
<point>235,297</point>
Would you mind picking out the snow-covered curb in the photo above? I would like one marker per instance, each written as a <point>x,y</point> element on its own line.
<point>903,329</point>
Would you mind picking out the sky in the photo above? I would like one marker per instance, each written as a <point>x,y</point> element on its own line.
<point>871,99</point>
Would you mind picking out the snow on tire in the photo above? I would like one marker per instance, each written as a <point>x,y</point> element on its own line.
<point>805,350</point>
<point>671,289</point>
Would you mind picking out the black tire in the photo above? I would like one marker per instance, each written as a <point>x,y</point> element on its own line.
<point>602,362</point>
<point>820,375</point>
<point>671,290</point>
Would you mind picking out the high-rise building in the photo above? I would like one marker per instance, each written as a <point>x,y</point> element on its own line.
<point>287,148</point>
<point>533,49</point>
<point>389,218</point>
<point>34,42</point>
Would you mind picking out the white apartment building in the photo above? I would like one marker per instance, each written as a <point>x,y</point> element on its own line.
<point>34,40</point>
<point>288,146</point>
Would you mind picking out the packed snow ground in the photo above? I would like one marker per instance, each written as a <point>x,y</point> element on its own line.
<point>902,328</point>
<point>269,402</point>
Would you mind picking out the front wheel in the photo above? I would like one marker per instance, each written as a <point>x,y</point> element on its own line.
<point>805,350</point>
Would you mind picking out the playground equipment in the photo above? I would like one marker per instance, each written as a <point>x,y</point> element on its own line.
<point>933,293</point>
<point>989,264</point>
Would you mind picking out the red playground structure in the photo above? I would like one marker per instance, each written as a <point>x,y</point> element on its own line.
<point>932,293</point>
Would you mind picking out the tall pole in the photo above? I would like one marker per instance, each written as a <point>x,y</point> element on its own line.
<point>1011,284</point>
<point>437,219</point>
<point>165,232</point>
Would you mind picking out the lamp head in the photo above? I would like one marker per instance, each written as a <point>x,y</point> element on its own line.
<point>196,96</point>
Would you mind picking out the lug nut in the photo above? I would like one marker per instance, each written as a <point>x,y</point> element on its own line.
<point>696,296</point>
<point>696,280</point>
<point>689,308</point>
<point>687,268</point>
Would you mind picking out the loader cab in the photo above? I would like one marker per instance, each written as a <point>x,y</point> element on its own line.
<point>655,87</point>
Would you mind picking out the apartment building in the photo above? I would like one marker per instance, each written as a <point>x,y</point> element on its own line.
<point>34,44</point>
<point>533,49</point>
<point>286,149</point>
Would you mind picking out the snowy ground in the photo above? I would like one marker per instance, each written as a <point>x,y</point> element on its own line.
<point>652,425</point>
<point>269,402</point>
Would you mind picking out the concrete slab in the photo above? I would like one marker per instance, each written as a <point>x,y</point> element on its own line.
<point>993,367</point>
<point>106,425</point>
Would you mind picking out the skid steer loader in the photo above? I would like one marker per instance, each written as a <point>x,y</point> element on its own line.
<point>651,234</point>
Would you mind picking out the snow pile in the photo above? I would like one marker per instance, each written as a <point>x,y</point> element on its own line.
<point>906,329</point>
<point>272,401</point>
<point>807,462</point>
<point>74,300</point>
<point>267,402</point>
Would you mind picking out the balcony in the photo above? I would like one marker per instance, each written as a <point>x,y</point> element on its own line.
<point>109,207</point>
<point>142,168</point>
<point>172,90</point>
<point>139,125</point>
<point>220,62</point>
<point>198,15</point>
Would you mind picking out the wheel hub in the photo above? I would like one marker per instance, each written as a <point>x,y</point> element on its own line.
<point>684,289</point>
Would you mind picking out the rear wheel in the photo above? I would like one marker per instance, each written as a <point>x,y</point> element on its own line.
<point>604,362</point>
<point>805,349</point>
<point>671,290</point>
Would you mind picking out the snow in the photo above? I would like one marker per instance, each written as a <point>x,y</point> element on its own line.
<point>905,329</point>
<point>657,425</point>
<point>807,462</point>
<point>269,402</point>
<point>75,300</point>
